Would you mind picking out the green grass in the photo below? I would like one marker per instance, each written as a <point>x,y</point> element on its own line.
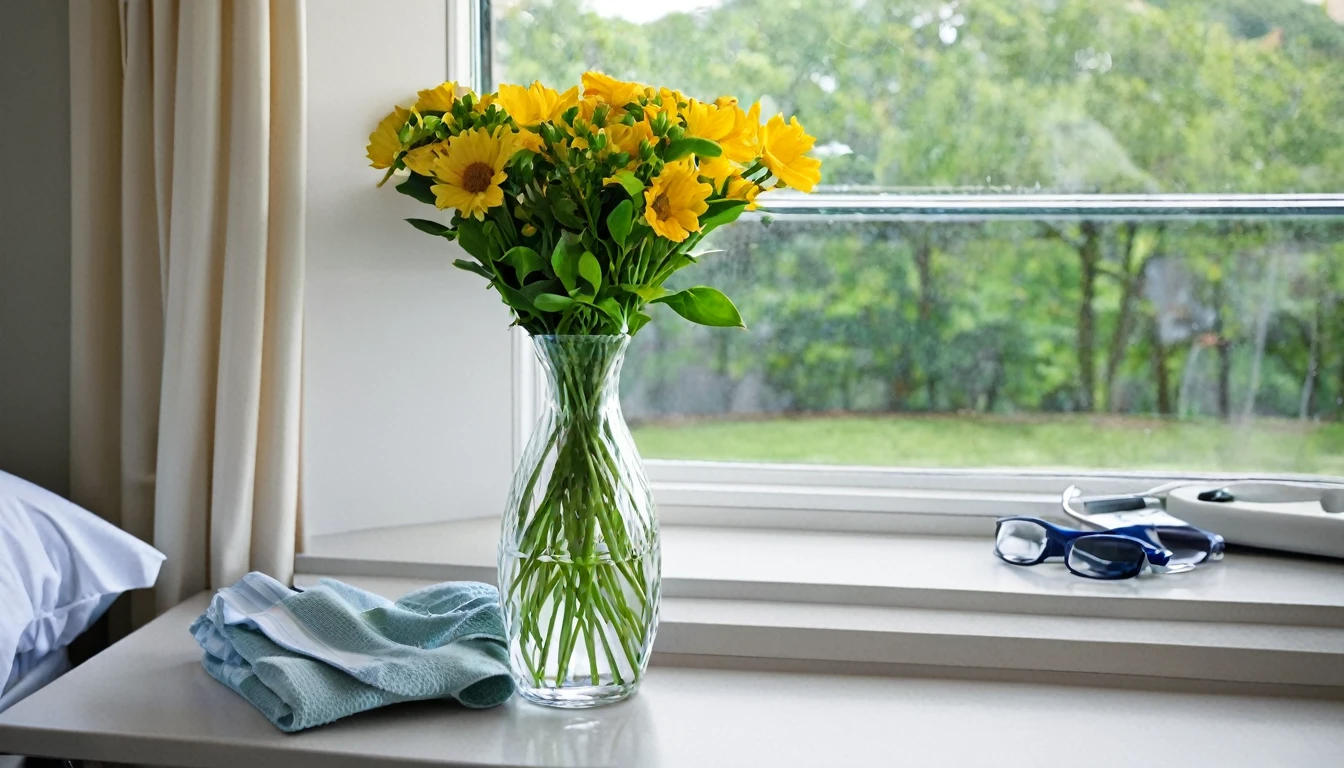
<point>955,440</point>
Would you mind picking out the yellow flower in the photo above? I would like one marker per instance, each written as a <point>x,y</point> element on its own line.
<point>706,121</point>
<point>741,189</point>
<point>671,103</point>
<point>384,144</point>
<point>530,141</point>
<point>675,201</point>
<point>618,93</point>
<point>720,171</point>
<point>782,150</point>
<point>626,138</point>
<point>421,159</point>
<point>743,142</point>
<point>482,103</point>
<point>717,170</point>
<point>533,104</point>
<point>438,99</point>
<point>470,174</point>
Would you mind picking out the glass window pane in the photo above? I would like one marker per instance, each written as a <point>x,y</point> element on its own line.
<point>1184,344</point>
<point>1192,343</point>
<point>1055,95</point>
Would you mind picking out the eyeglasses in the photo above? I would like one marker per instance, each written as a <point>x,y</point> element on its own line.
<point>1190,546</point>
<point>1094,555</point>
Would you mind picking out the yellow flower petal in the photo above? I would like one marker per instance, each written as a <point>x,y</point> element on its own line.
<point>533,104</point>
<point>782,150</point>
<point>706,121</point>
<point>437,99</point>
<point>422,159</point>
<point>384,145</point>
<point>675,201</point>
<point>615,92</point>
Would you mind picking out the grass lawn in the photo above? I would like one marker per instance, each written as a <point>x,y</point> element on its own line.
<point>955,440</point>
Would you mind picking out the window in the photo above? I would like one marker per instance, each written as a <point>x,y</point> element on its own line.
<point>1081,235</point>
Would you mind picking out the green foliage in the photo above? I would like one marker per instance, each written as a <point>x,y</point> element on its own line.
<point>705,306</point>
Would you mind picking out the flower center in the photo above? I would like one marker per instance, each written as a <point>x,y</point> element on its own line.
<point>476,177</point>
<point>662,206</point>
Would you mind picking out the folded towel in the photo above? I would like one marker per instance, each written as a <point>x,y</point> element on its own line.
<point>308,658</point>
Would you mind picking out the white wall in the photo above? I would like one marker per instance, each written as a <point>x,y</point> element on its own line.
<point>35,243</point>
<point>407,362</point>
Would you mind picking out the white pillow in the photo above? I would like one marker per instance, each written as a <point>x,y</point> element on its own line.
<point>60,568</point>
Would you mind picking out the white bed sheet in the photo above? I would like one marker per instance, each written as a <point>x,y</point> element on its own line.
<point>32,676</point>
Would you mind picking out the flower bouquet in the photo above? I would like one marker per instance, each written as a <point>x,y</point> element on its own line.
<point>577,208</point>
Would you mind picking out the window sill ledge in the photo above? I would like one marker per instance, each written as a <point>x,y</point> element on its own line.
<point>175,715</point>
<point>928,601</point>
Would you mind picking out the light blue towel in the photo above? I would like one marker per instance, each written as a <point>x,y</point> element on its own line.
<point>308,658</point>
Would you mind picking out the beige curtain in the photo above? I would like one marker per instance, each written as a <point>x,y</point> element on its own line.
<point>188,164</point>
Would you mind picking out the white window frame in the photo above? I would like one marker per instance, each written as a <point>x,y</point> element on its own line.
<point>877,499</point>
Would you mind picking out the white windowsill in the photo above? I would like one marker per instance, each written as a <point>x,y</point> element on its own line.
<point>930,601</point>
<point>146,700</point>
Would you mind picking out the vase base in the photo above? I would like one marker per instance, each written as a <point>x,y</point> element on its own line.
<point>579,697</point>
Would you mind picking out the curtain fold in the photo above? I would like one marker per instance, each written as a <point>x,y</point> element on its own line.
<point>201,299</point>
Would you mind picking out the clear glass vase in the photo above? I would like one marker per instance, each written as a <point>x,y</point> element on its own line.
<point>579,560</point>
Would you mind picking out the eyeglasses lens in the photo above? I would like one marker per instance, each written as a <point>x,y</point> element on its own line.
<point>1187,547</point>
<point>1106,557</point>
<point>1020,541</point>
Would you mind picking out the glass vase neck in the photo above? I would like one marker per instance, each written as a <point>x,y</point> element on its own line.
<point>582,372</point>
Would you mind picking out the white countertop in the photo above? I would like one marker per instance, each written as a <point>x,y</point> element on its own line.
<point>147,700</point>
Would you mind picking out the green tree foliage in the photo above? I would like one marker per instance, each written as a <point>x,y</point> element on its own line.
<point>1183,318</point>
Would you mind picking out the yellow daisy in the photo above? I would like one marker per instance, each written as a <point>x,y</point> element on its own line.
<point>741,189</point>
<point>675,201</point>
<point>533,104</point>
<point>706,121</point>
<point>717,170</point>
<point>384,144</point>
<point>626,138</point>
<point>422,159</point>
<point>470,174</point>
<point>615,92</point>
<point>438,99</point>
<point>782,150</point>
<point>742,144</point>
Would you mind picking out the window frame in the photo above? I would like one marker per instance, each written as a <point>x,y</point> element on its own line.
<point>911,500</point>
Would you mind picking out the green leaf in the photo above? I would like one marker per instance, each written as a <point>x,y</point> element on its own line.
<point>533,290</point>
<point>550,302</point>
<point>417,186</point>
<point>518,300</point>
<point>566,211</point>
<point>610,308</point>
<point>721,212</point>
<point>472,266</point>
<point>433,228</point>
<point>472,238</point>
<point>591,271</point>
<point>633,186</point>
<point>646,292</point>
<point>524,261</point>
<point>704,305</point>
<point>637,321</point>
<point>691,145</point>
<point>565,262</point>
<point>619,220</point>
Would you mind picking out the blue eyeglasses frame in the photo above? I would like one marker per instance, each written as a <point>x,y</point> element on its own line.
<point>1059,543</point>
